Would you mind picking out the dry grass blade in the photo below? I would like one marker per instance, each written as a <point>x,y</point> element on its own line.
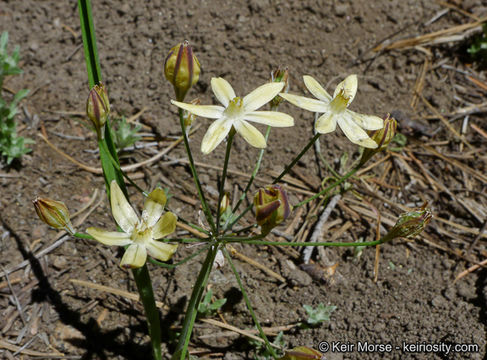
<point>444,35</point>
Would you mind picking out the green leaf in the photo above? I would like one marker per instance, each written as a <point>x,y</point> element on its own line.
<point>319,314</point>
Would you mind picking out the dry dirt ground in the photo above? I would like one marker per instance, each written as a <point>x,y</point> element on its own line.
<point>414,300</point>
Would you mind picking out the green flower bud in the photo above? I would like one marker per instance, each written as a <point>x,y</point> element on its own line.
<point>53,213</point>
<point>225,203</point>
<point>280,75</point>
<point>182,69</point>
<point>382,138</point>
<point>98,108</point>
<point>411,223</point>
<point>271,207</point>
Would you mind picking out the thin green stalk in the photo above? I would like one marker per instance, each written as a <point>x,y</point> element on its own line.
<point>196,227</point>
<point>252,177</point>
<point>242,238</point>
<point>249,305</point>
<point>192,310</point>
<point>299,244</point>
<point>89,42</point>
<point>199,189</point>
<point>224,177</point>
<point>324,191</point>
<point>296,159</point>
<point>186,259</point>
<point>144,286</point>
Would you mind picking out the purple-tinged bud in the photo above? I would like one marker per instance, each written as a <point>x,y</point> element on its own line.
<point>98,108</point>
<point>280,75</point>
<point>411,223</point>
<point>53,213</point>
<point>182,69</point>
<point>271,207</point>
<point>302,353</point>
<point>382,137</point>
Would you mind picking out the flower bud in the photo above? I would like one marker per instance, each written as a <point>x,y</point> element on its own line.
<point>302,353</point>
<point>53,213</point>
<point>271,207</point>
<point>411,223</point>
<point>280,75</point>
<point>225,203</point>
<point>98,108</point>
<point>182,69</point>
<point>382,137</point>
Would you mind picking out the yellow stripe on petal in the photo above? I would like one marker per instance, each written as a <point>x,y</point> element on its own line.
<point>250,134</point>
<point>306,103</point>
<point>134,257</point>
<point>347,88</point>
<point>262,95</point>
<point>316,89</point>
<point>215,134</point>
<point>271,118</point>
<point>165,226</point>
<point>110,238</point>
<point>161,251</point>
<point>355,133</point>
<point>207,111</point>
<point>122,212</point>
<point>222,90</point>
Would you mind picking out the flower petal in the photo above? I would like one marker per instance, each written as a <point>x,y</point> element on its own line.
<point>207,111</point>
<point>122,212</point>
<point>110,238</point>
<point>306,103</point>
<point>134,257</point>
<point>215,134</point>
<point>271,118</point>
<point>349,88</point>
<point>262,95</point>
<point>165,226</point>
<point>367,122</point>
<point>161,251</point>
<point>316,89</point>
<point>222,90</point>
<point>326,123</point>
<point>154,206</point>
<point>250,134</point>
<point>355,133</point>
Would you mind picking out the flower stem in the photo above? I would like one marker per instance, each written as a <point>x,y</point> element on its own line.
<point>201,195</point>
<point>192,310</point>
<point>324,191</point>
<point>298,244</point>
<point>249,305</point>
<point>144,286</point>
<point>296,159</point>
<point>224,177</point>
<point>252,177</point>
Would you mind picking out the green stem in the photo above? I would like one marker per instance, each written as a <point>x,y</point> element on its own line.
<point>324,191</point>
<point>249,305</point>
<point>252,177</point>
<point>89,42</point>
<point>192,310</point>
<point>336,244</point>
<point>201,195</point>
<point>224,177</point>
<point>186,259</point>
<point>144,286</point>
<point>296,159</point>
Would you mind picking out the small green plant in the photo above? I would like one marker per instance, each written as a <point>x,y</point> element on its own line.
<point>262,352</point>
<point>11,145</point>
<point>124,134</point>
<point>478,48</point>
<point>207,308</point>
<point>319,314</point>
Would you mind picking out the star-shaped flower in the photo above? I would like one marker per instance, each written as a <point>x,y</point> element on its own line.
<point>139,235</point>
<point>237,112</point>
<point>335,110</point>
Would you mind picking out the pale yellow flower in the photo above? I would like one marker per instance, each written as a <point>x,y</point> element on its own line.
<point>237,112</point>
<point>139,235</point>
<point>335,110</point>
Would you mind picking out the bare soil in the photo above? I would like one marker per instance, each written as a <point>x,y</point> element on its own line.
<point>414,300</point>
